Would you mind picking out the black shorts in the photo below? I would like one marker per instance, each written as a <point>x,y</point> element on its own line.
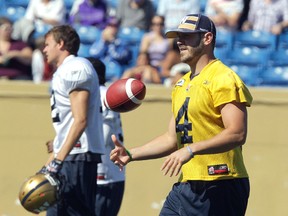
<point>207,198</point>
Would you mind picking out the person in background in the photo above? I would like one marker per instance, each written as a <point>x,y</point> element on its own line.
<point>268,16</point>
<point>155,44</point>
<point>225,13</point>
<point>174,10</point>
<point>176,73</point>
<point>15,55</point>
<point>135,13</point>
<point>40,14</point>
<point>143,70</point>
<point>89,13</point>
<point>41,70</point>
<point>110,48</point>
<point>206,132</point>
<point>77,120</point>
<point>110,180</point>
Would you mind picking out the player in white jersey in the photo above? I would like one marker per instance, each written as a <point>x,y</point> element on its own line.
<point>77,119</point>
<point>110,179</point>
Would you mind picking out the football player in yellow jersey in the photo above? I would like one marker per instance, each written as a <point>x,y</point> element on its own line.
<point>206,132</point>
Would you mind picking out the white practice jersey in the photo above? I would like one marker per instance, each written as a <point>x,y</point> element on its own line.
<point>76,73</point>
<point>108,172</point>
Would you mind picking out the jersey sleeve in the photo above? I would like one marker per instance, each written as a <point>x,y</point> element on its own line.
<point>228,87</point>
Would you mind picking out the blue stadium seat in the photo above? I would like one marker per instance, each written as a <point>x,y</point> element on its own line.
<point>84,50</point>
<point>259,39</point>
<point>41,30</point>
<point>248,56</point>
<point>113,70</point>
<point>275,76</point>
<point>131,35</point>
<point>224,39</point>
<point>249,74</point>
<point>68,4</point>
<point>283,41</point>
<point>22,3</point>
<point>279,58</point>
<point>88,34</point>
<point>13,12</point>
<point>221,53</point>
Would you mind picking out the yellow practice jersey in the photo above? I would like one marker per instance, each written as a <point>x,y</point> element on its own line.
<point>195,105</point>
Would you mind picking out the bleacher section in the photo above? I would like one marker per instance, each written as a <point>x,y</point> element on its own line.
<point>259,58</point>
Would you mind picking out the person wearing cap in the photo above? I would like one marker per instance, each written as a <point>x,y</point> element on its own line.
<point>110,48</point>
<point>206,132</point>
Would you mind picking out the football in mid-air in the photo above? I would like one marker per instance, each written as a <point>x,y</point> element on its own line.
<point>125,95</point>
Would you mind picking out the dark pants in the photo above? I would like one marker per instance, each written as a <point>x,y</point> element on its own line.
<point>109,198</point>
<point>208,198</point>
<point>79,190</point>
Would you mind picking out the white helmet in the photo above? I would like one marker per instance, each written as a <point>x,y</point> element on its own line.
<point>39,192</point>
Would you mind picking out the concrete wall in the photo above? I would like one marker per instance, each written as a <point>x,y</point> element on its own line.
<point>26,126</point>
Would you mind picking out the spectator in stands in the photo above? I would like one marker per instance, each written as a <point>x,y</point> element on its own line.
<point>143,70</point>
<point>225,13</point>
<point>41,70</point>
<point>176,72</point>
<point>89,12</point>
<point>175,10</point>
<point>15,56</point>
<point>135,13</point>
<point>109,47</point>
<point>38,14</point>
<point>269,16</point>
<point>155,43</point>
<point>172,57</point>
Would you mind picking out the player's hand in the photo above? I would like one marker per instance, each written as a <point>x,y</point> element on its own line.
<point>174,162</point>
<point>54,166</point>
<point>119,155</point>
<point>43,170</point>
<point>49,145</point>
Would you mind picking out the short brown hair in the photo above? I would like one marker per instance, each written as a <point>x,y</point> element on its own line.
<point>68,35</point>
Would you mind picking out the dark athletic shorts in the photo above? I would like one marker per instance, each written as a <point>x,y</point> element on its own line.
<point>208,198</point>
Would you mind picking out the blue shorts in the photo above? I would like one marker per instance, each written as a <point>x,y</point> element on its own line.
<point>109,198</point>
<point>207,198</point>
<point>79,192</point>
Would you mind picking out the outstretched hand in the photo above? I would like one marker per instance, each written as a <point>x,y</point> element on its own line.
<point>119,155</point>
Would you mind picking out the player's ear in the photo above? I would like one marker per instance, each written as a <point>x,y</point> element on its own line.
<point>208,38</point>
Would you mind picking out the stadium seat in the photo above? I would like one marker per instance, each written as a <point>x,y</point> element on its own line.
<point>131,35</point>
<point>249,74</point>
<point>221,53</point>
<point>14,3</point>
<point>68,4</point>
<point>279,58</point>
<point>248,56</point>
<point>84,50</point>
<point>113,70</point>
<point>41,30</point>
<point>13,12</point>
<point>87,34</point>
<point>259,39</point>
<point>275,76</point>
<point>283,41</point>
<point>224,39</point>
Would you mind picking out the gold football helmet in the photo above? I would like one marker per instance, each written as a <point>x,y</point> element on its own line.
<point>38,192</point>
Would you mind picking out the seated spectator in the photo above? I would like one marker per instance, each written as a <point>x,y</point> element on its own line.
<point>225,13</point>
<point>38,14</point>
<point>143,70</point>
<point>176,72</point>
<point>135,13</point>
<point>172,57</point>
<point>89,12</point>
<point>269,16</point>
<point>155,43</point>
<point>174,10</point>
<point>109,47</point>
<point>41,70</point>
<point>15,56</point>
